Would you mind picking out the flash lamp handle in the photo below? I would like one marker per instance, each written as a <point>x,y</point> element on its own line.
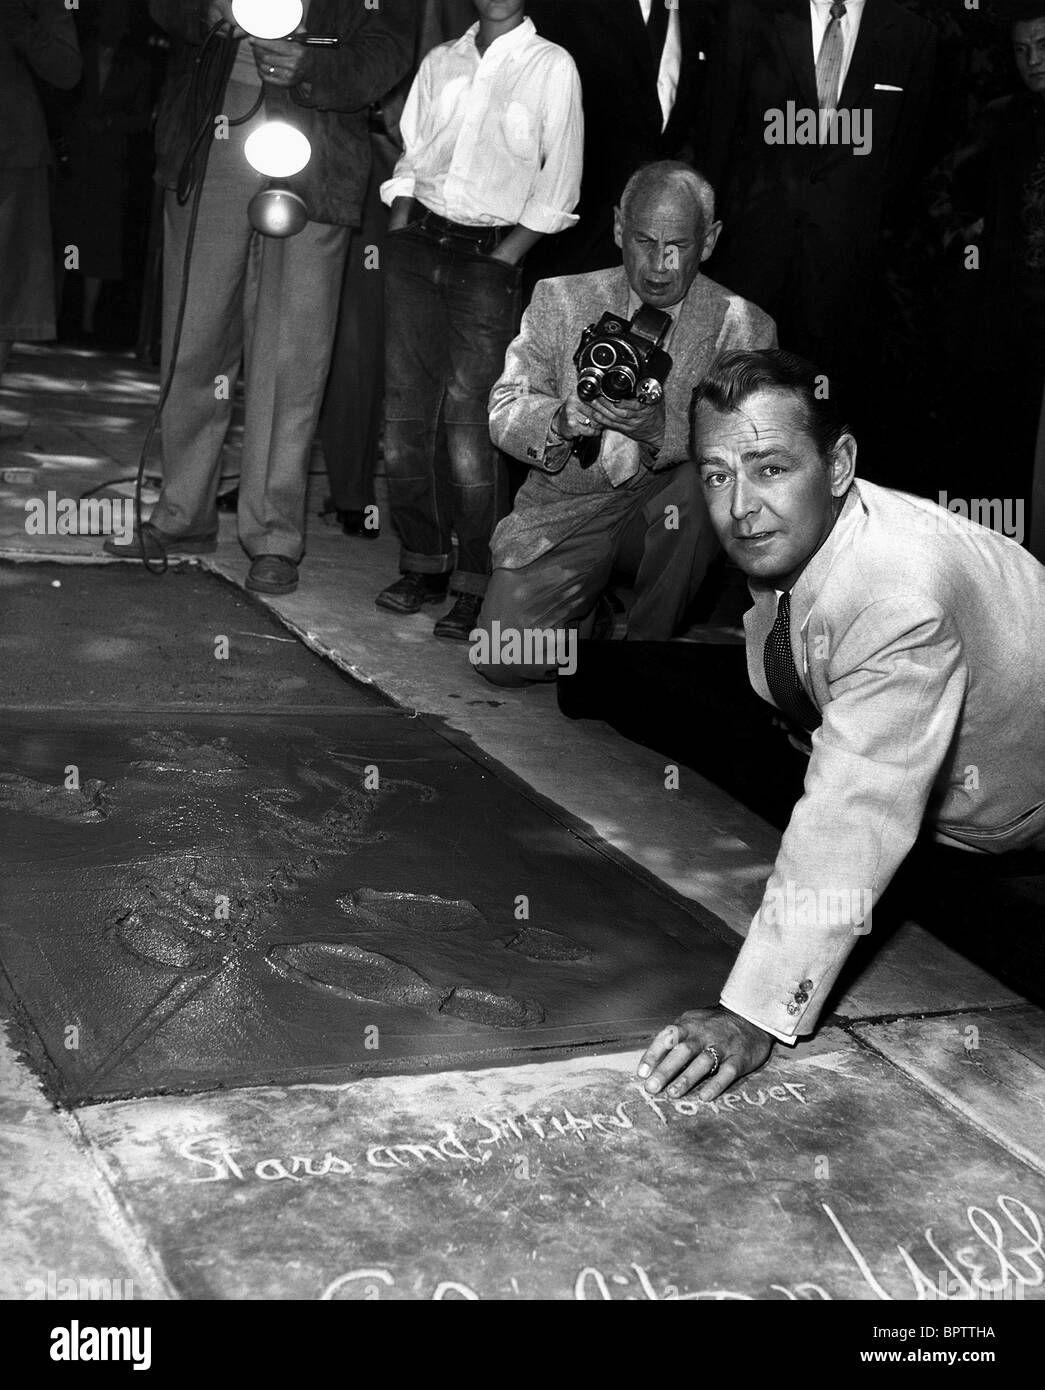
<point>316,40</point>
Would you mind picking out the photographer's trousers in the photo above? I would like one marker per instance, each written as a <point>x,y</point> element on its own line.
<point>273,303</point>
<point>655,527</point>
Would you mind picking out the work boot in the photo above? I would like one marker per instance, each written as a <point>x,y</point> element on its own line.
<point>462,619</point>
<point>411,591</point>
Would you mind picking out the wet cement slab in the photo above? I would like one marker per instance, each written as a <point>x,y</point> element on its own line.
<point>562,1181</point>
<point>205,900</point>
<point>988,1066</point>
<point>105,636</point>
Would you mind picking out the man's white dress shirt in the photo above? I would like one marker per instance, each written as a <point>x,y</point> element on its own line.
<point>494,139</point>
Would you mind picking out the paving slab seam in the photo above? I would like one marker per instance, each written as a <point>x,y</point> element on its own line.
<point>967,1113</point>
<point>150,1274</point>
<point>850,1021</point>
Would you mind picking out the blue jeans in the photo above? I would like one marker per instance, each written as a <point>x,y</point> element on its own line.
<point>450,313</point>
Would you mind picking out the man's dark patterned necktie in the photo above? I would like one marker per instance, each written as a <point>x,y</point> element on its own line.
<point>788,692</point>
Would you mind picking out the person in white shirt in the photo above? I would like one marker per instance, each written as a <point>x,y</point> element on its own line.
<point>493,136</point>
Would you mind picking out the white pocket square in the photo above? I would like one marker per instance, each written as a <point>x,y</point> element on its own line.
<point>885,87</point>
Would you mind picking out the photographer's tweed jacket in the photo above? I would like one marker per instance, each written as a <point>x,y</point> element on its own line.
<point>539,374</point>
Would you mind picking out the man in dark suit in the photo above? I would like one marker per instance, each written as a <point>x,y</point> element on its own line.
<point>641,67</point>
<point>802,222</point>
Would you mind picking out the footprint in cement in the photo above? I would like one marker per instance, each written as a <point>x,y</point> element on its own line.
<point>340,825</point>
<point>535,943</point>
<point>173,750</point>
<point>425,913</point>
<point>422,912</point>
<point>83,805</point>
<point>173,924</point>
<point>353,973</point>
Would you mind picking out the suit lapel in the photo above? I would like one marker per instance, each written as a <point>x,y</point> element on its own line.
<point>795,36</point>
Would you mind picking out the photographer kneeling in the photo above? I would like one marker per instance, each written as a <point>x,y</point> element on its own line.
<point>610,478</point>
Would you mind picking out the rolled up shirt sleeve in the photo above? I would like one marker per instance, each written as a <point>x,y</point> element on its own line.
<point>895,701</point>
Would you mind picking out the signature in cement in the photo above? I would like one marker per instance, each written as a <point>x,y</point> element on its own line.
<point>1011,1269</point>
<point>1017,1267</point>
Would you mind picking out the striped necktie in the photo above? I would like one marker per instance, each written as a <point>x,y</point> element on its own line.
<point>788,692</point>
<point>829,60</point>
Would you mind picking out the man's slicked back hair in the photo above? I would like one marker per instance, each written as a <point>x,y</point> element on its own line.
<point>735,376</point>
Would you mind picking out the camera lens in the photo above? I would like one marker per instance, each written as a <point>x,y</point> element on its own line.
<point>603,355</point>
<point>619,384</point>
<point>588,384</point>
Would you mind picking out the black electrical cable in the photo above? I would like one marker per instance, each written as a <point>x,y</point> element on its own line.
<point>211,72</point>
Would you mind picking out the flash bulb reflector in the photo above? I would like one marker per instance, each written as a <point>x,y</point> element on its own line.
<point>268,19</point>
<point>277,150</point>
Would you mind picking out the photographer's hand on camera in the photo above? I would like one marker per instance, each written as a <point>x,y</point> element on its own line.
<point>643,423</point>
<point>575,418</point>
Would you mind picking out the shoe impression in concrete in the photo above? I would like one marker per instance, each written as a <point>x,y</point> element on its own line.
<point>229,899</point>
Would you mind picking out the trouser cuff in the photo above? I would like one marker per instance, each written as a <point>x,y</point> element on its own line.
<point>412,563</point>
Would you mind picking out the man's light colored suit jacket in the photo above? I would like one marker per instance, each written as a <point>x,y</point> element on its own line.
<point>539,374</point>
<point>921,637</point>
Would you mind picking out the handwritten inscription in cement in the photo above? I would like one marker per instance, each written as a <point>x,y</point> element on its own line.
<point>471,1141</point>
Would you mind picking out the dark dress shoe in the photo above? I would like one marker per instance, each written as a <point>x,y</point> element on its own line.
<point>272,574</point>
<point>462,619</point>
<point>411,591</point>
<point>151,544</point>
